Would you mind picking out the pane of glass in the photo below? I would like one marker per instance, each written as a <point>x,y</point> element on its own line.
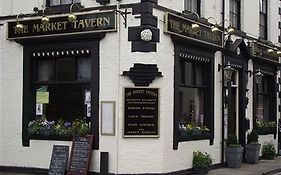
<point>199,74</point>
<point>265,84</point>
<point>45,70</point>
<point>65,69</point>
<point>54,2</point>
<point>84,69</point>
<point>66,101</point>
<point>262,32</point>
<point>192,106</point>
<point>260,108</point>
<point>76,1</point>
<point>66,1</point>
<point>186,73</point>
<point>264,6</point>
<point>194,6</point>
<point>262,19</point>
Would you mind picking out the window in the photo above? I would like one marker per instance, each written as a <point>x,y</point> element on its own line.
<point>264,96</point>
<point>263,19</point>
<point>66,79</point>
<point>60,84</point>
<point>265,105</point>
<point>192,6</point>
<point>234,13</point>
<point>62,2</point>
<point>193,105</point>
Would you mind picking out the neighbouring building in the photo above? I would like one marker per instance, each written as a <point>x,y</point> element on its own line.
<point>154,80</point>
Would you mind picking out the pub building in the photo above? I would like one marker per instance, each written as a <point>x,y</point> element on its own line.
<point>151,81</point>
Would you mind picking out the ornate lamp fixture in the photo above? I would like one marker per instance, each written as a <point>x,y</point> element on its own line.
<point>45,19</point>
<point>72,17</point>
<point>258,76</point>
<point>19,26</point>
<point>195,26</point>
<point>215,27</point>
<point>228,71</point>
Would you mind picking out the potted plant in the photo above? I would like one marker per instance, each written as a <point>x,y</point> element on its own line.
<point>201,162</point>
<point>234,152</point>
<point>268,151</point>
<point>252,148</point>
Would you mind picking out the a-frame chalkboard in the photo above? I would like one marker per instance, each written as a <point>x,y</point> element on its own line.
<point>80,155</point>
<point>59,160</point>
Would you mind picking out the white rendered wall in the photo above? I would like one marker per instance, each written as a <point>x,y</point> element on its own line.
<point>126,155</point>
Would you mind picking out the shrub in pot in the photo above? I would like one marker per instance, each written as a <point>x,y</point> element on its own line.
<point>201,162</point>
<point>234,152</point>
<point>252,148</point>
<point>268,151</point>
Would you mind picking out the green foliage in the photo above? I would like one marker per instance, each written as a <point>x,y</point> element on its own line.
<point>232,141</point>
<point>268,148</point>
<point>253,137</point>
<point>266,124</point>
<point>78,127</point>
<point>202,160</point>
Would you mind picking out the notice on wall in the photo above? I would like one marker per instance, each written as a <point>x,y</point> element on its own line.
<point>39,109</point>
<point>59,160</point>
<point>141,112</point>
<point>42,97</point>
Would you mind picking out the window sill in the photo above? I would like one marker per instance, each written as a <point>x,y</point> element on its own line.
<point>57,138</point>
<point>266,130</point>
<point>198,136</point>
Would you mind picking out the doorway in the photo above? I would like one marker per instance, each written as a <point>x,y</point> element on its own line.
<point>233,104</point>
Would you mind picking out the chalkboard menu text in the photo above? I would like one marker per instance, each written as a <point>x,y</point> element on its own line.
<point>141,112</point>
<point>80,155</point>
<point>59,160</point>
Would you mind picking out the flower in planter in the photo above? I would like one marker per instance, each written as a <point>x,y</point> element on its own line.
<point>201,162</point>
<point>268,150</point>
<point>61,128</point>
<point>265,124</point>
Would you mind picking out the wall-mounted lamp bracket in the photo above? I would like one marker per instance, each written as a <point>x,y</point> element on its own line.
<point>249,72</point>
<point>123,15</point>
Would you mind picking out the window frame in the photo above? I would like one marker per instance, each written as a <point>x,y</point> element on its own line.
<point>29,84</point>
<point>48,3</point>
<point>198,10</point>
<point>272,92</point>
<point>235,14</point>
<point>208,93</point>
<point>263,14</point>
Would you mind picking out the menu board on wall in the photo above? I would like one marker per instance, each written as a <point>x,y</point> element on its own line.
<point>80,155</point>
<point>141,112</point>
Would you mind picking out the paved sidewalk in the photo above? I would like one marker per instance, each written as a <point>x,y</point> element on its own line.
<point>264,167</point>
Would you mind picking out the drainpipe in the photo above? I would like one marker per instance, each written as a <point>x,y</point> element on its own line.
<point>223,88</point>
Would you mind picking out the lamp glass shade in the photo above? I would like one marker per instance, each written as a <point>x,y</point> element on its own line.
<point>228,70</point>
<point>19,27</point>
<point>230,30</point>
<point>45,20</point>
<point>278,52</point>
<point>71,17</point>
<point>195,26</point>
<point>258,76</point>
<point>214,28</point>
<point>270,50</point>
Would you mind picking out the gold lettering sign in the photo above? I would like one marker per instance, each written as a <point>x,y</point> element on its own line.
<point>181,26</point>
<point>85,23</point>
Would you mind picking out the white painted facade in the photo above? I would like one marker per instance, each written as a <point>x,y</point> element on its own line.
<point>126,155</point>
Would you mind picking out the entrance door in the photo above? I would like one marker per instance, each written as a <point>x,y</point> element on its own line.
<point>233,110</point>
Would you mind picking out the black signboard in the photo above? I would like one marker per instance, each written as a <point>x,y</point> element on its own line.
<point>85,23</point>
<point>80,155</point>
<point>260,50</point>
<point>181,26</point>
<point>141,112</point>
<point>59,160</point>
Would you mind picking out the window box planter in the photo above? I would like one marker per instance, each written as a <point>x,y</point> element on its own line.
<point>184,136</point>
<point>266,130</point>
<point>51,137</point>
